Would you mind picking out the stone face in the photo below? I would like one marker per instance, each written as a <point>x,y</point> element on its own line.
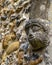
<point>37,33</point>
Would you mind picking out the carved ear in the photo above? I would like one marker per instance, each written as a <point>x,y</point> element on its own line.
<point>45,25</point>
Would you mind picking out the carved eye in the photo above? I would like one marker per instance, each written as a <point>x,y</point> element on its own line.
<point>35,28</point>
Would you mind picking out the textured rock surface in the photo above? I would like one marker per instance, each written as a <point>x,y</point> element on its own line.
<point>39,9</point>
<point>13,17</point>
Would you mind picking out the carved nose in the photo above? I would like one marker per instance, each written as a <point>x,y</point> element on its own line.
<point>30,36</point>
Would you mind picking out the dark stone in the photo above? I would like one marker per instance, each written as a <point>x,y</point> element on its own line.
<point>34,56</point>
<point>13,17</point>
<point>18,35</point>
<point>24,47</point>
<point>28,10</point>
<point>3,17</point>
<point>17,23</point>
<point>27,57</point>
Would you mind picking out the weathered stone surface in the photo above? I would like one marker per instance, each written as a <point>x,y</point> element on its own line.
<point>39,9</point>
<point>50,11</point>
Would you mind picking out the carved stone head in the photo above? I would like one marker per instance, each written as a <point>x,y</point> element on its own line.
<point>37,33</point>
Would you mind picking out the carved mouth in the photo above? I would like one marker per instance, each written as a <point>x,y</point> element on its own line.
<point>35,42</point>
<point>30,37</point>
